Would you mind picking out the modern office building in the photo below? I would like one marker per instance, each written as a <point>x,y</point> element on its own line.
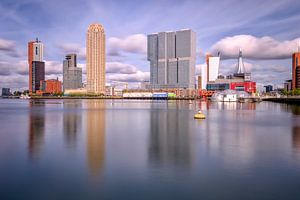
<point>38,75</point>
<point>172,57</point>
<point>288,85</point>
<point>296,71</point>
<point>5,92</point>
<point>72,75</point>
<point>269,88</point>
<point>213,68</point>
<point>36,64</point>
<point>210,72</point>
<point>95,59</point>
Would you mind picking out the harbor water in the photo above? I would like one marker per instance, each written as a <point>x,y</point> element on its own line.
<point>148,149</point>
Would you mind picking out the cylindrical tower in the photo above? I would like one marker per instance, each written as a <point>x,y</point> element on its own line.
<point>95,59</point>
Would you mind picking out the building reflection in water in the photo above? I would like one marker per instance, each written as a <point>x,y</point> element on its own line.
<point>169,136</point>
<point>95,121</point>
<point>36,130</point>
<point>233,128</point>
<point>295,110</point>
<point>296,126</point>
<point>72,121</point>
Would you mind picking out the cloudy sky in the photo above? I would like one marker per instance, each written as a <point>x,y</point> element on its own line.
<point>267,31</point>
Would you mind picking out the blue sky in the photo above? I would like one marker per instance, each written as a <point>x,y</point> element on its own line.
<point>267,31</point>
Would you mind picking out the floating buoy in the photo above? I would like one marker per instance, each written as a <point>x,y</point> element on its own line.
<point>199,115</point>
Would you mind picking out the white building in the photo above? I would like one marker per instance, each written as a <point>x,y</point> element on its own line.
<point>213,68</point>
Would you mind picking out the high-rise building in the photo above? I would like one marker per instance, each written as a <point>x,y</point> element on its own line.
<point>172,57</point>
<point>213,68</point>
<point>38,75</point>
<point>36,65</point>
<point>72,75</point>
<point>95,59</point>
<point>296,71</point>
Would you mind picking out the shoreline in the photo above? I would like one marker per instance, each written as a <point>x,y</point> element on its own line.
<point>287,100</point>
<point>105,97</point>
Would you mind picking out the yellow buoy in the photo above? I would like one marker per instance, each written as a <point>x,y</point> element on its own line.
<point>199,115</point>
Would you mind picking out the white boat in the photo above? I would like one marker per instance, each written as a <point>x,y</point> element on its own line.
<point>24,96</point>
<point>228,96</point>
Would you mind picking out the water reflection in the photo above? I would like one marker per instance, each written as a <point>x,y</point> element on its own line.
<point>72,121</point>
<point>169,137</point>
<point>36,130</point>
<point>95,122</point>
<point>296,133</point>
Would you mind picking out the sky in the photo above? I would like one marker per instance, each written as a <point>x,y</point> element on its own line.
<point>267,31</point>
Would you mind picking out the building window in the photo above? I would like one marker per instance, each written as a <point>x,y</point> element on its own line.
<point>36,51</point>
<point>297,61</point>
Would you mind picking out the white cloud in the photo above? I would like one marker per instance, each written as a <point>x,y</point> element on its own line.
<point>53,67</point>
<point>199,67</point>
<point>255,48</point>
<point>118,67</point>
<point>131,44</point>
<point>69,48</point>
<point>7,45</point>
<point>138,76</point>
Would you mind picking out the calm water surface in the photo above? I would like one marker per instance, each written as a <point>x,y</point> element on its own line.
<point>127,149</point>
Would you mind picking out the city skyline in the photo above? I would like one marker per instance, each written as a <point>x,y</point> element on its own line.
<point>272,33</point>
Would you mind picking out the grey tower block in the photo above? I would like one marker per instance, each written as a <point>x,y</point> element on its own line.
<point>172,57</point>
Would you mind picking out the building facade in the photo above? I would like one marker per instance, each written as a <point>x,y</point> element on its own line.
<point>172,57</point>
<point>199,82</point>
<point>296,71</point>
<point>6,92</point>
<point>38,75</point>
<point>249,87</point>
<point>51,86</point>
<point>213,68</point>
<point>35,54</point>
<point>72,75</point>
<point>95,59</point>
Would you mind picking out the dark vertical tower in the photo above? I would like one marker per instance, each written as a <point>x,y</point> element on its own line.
<point>38,75</point>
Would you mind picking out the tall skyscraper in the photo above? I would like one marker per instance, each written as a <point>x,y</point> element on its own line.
<point>72,75</point>
<point>36,65</point>
<point>296,71</point>
<point>172,57</point>
<point>213,65</point>
<point>95,59</point>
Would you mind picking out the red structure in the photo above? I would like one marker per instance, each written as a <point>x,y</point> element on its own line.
<point>52,86</point>
<point>249,87</point>
<point>205,93</point>
<point>296,71</point>
<point>30,59</point>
